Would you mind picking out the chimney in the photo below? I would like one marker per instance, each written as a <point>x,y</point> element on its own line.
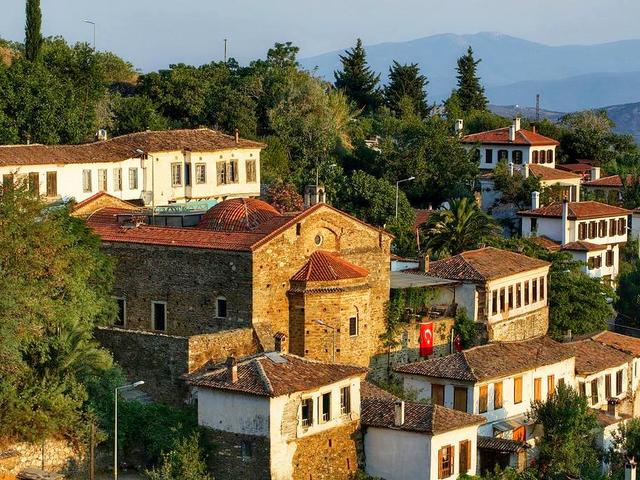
<point>535,200</point>
<point>512,133</point>
<point>232,368</point>
<point>237,136</point>
<point>280,340</point>
<point>595,173</point>
<point>101,135</point>
<point>423,263</point>
<point>612,407</point>
<point>398,418</point>
<point>630,469</point>
<point>565,221</point>
<point>534,129</point>
<point>525,170</point>
<point>459,126</point>
<point>510,168</point>
<point>516,123</point>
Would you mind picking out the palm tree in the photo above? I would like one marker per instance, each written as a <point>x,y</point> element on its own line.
<point>461,227</point>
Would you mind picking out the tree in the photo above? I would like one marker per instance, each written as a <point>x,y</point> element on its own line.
<point>567,446</point>
<point>463,226</point>
<point>136,114</point>
<point>284,197</point>
<point>33,35</point>
<point>628,303</point>
<point>470,92</point>
<point>356,79</point>
<point>406,81</point>
<point>514,188</point>
<point>185,462</point>
<point>625,444</point>
<point>631,191</point>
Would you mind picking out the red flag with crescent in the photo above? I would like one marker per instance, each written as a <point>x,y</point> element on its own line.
<point>457,343</point>
<point>426,339</point>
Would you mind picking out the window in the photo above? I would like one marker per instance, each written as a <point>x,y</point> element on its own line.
<point>503,304</point>
<point>221,171</point>
<point>326,407</point>
<point>445,462</point>
<point>518,295</point>
<point>534,225</point>
<point>460,399</point>
<point>551,385</point>
<point>510,297</point>
<point>607,386</point>
<point>52,184</point>
<point>201,173</point>
<point>488,155</point>
<point>307,412</point>
<point>102,179</point>
<point>503,155</point>
<point>437,394</point>
<point>534,290</point>
<point>176,174</point>
<point>534,158</point>
<point>594,392</point>
<point>251,171</point>
<point>517,390</point>
<point>159,316</point>
<point>221,307</point>
<point>613,227</point>
<point>464,462</point>
<point>345,400</point>
<point>122,312</point>
<point>537,389</point>
<point>582,231</point>
<point>353,326</point>
<point>602,228</point>
<point>494,302</point>
<point>619,382</point>
<point>610,257</point>
<point>582,389</point>
<point>497,395</point>
<point>117,179</point>
<point>187,174</point>
<point>593,229</point>
<point>541,280</point>
<point>594,262</point>
<point>133,178</point>
<point>622,226</point>
<point>86,180</point>
<point>549,156</point>
<point>516,157</point>
<point>527,299</point>
<point>232,171</point>
<point>34,183</point>
<point>482,401</point>
<point>7,179</point>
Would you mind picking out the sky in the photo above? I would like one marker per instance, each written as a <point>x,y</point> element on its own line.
<point>155,33</point>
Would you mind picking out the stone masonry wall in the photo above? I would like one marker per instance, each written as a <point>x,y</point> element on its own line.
<point>228,460</point>
<point>189,280</point>
<point>218,346</point>
<point>59,456</point>
<point>525,326</point>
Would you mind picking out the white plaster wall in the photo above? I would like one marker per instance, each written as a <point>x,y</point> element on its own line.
<point>506,282</point>
<point>488,194</point>
<point>601,240</point>
<point>526,154</point>
<point>397,454</point>
<point>600,377</point>
<point>234,412</point>
<point>467,298</point>
<point>422,386</point>
<point>548,227</point>
<point>454,438</point>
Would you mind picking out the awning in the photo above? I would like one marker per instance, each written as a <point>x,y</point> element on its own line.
<point>506,425</point>
<point>501,444</point>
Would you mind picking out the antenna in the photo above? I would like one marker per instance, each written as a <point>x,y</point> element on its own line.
<point>225,50</point>
<point>537,107</point>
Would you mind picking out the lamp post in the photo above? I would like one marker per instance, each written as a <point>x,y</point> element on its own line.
<point>94,32</point>
<point>333,330</point>
<point>398,190</point>
<point>115,425</point>
<point>153,183</point>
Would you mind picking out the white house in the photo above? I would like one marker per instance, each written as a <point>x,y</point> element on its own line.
<point>591,231</point>
<point>270,415</point>
<point>149,167</point>
<point>505,291</point>
<point>512,144</point>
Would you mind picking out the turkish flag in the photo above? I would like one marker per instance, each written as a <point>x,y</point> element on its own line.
<point>457,343</point>
<point>426,339</point>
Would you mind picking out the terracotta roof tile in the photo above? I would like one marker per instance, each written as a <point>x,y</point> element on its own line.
<point>575,167</point>
<point>500,444</point>
<point>613,181</point>
<point>324,267</point>
<point>593,356</point>
<point>493,360</point>
<point>624,343</point>
<point>369,390</point>
<point>274,374</point>
<point>418,417</point>
<point>500,136</point>
<point>484,264</point>
<point>547,243</point>
<point>547,173</point>
<point>123,147</point>
<point>582,246</point>
<point>422,216</point>
<point>577,211</point>
<point>238,215</point>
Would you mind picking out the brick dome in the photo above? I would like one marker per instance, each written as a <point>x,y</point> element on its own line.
<point>238,215</point>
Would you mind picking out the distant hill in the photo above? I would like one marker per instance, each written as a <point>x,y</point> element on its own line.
<point>509,60</point>
<point>510,111</point>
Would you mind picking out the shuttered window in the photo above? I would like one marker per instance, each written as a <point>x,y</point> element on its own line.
<point>201,173</point>
<point>86,181</point>
<point>102,179</point>
<point>445,461</point>
<point>437,394</point>
<point>34,183</point>
<point>117,179</point>
<point>221,173</point>
<point>537,389</point>
<point>582,231</point>
<point>482,400</point>
<point>602,228</point>
<point>464,462</point>
<point>618,382</point>
<point>251,171</point>
<point>607,386</point>
<point>551,385</point>
<point>622,226</point>
<point>52,184</point>
<point>517,390</point>
<point>497,395</point>
<point>460,399</point>
<point>613,227</point>
<point>594,392</point>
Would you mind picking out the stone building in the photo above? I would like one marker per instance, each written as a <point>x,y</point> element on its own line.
<point>279,416</point>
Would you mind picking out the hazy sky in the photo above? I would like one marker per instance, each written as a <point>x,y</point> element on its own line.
<point>154,33</point>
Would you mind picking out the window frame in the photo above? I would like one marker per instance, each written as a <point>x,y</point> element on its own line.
<point>117,179</point>
<point>309,402</point>
<point>537,389</point>
<point>551,385</point>
<point>619,382</point>
<point>123,322</point>
<point>483,399</point>
<point>176,174</point>
<point>437,400</point>
<point>464,456</point>
<point>153,315</point>
<point>595,395</point>
<point>517,390</point>
<point>446,472</point>
<point>324,415</point>
<point>103,182</point>
<point>498,398</point>
<point>87,181</point>
<point>133,178</point>
<point>607,386</point>
<point>352,324</point>
<point>251,171</point>
<point>201,173</point>
<point>458,393</point>
<point>222,298</point>
<point>52,186</point>
<point>345,400</point>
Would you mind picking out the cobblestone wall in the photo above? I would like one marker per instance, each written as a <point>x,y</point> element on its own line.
<point>59,456</point>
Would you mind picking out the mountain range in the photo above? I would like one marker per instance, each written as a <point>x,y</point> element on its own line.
<point>514,70</point>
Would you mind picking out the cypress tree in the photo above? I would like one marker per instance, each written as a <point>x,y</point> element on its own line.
<point>33,36</point>
<point>357,80</point>
<point>470,91</point>
<point>406,81</point>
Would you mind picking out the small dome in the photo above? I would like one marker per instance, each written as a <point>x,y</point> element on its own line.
<point>238,215</point>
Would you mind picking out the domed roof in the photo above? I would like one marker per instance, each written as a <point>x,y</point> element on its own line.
<point>238,215</point>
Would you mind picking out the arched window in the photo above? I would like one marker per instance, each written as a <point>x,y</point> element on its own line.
<point>503,155</point>
<point>534,156</point>
<point>549,156</point>
<point>516,157</point>
<point>221,307</point>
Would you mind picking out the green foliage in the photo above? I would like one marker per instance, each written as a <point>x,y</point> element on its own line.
<point>356,79</point>
<point>184,462</point>
<point>628,303</point>
<point>631,191</point>
<point>625,444</point>
<point>508,473</point>
<point>515,188</point>
<point>136,114</point>
<point>466,328</point>
<point>470,92</point>
<point>33,35</point>
<point>567,445</point>
<point>461,227</point>
<point>284,197</point>
<point>406,81</point>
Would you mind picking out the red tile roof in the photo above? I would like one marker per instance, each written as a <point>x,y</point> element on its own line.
<point>123,147</point>
<point>325,267</point>
<point>103,194</point>
<point>614,181</point>
<point>418,417</point>
<point>274,374</point>
<point>422,216</point>
<point>577,211</point>
<point>624,343</point>
<point>593,356</point>
<point>547,243</point>
<point>582,246</point>
<point>575,167</point>
<point>494,360</point>
<point>500,136</point>
<point>483,264</point>
<point>547,173</point>
<point>238,215</point>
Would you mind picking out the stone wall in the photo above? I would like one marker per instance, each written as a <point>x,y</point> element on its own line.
<point>228,460</point>
<point>218,346</point>
<point>59,456</point>
<point>189,280</point>
<point>529,325</point>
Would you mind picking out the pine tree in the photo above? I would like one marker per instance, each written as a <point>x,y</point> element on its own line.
<point>357,80</point>
<point>470,91</point>
<point>33,36</point>
<point>406,81</point>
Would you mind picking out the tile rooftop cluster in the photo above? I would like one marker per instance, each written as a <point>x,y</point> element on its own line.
<point>500,136</point>
<point>548,173</point>
<point>577,210</point>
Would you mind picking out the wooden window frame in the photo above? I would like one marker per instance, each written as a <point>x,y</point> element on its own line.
<point>537,389</point>
<point>324,415</point>
<point>309,402</point>
<point>445,470</point>
<point>619,382</point>
<point>464,457</point>
<point>551,385</point>
<point>251,171</point>
<point>517,390</point>
<point>354,326</point>
<point>483,399</point>
<point>117,179</point>
<point>345,400</point>
<point>595,395</point>
<point>133,178</point>
<point>437,387</point>
<point>498,400</point>
<point>176,174</point>
<point>460,392</point>
<point>52,184</point>
<point>201,173</point>
<point>87,181</point>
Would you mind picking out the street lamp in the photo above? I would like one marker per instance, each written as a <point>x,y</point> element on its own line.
<point>115,423</point>
<point>333,355</point>
<point>153,183</point>
<point>398,190</point>
<point>94,32</point>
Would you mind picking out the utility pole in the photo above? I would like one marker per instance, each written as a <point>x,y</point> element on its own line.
<point>94,32</point>
<point>537,107</point>
<point>225,50</point>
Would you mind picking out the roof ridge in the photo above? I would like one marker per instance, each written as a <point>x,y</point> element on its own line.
<point>466,361</point>
<point>264,377</point>
<point>471,266</point>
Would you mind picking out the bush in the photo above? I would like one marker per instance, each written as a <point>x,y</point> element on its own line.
<point>184,462</point>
